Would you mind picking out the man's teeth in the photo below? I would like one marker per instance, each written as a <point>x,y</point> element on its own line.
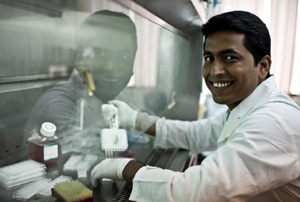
<point>221,85</point>
<point>110,79</point>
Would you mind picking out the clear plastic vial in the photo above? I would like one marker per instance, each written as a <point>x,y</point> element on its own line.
<point>42,145</point>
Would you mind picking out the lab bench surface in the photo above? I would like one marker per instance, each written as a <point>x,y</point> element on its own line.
<point>109,190</point>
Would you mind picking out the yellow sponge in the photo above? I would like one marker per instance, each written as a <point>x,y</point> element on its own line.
<point>73,191</point>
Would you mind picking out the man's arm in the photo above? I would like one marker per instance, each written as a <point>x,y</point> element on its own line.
<point>53,107</point>
<point>131,169</point>
<point>172,133</point>
<point>249,164</point>
<point>130,118</point>
<point>146,122</point>
<point>151,130</point>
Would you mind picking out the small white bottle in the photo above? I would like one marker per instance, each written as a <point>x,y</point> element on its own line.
<point>43,146</point>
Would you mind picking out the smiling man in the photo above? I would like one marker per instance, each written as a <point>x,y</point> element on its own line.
<point>229,69</point>
<point>256,142</point>
<point>106,44</point>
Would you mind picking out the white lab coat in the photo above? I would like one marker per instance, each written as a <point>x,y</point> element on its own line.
<point>257,156</point>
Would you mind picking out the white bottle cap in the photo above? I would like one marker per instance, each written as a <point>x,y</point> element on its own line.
<point>48,129</point>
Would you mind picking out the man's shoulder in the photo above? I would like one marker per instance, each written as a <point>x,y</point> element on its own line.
<point>275,113</point>
<point>60,90</point>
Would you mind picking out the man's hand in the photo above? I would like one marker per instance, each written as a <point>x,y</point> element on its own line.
<point>127,115</point>
<point>108,112</point>
<point>130,118</point>
<point>109,168</point>
<point>115,169</point>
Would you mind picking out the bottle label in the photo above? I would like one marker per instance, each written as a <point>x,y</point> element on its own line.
<point>50,151</point>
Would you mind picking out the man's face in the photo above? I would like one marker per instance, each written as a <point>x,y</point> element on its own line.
<point>109,55</point>
<point>228,68</point>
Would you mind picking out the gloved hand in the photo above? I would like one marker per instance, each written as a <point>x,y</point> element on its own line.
<point>108,112</point>
<point>111,168</point>
<point>127,115</point>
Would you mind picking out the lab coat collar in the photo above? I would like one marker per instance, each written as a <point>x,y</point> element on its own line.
<point>257,97</point>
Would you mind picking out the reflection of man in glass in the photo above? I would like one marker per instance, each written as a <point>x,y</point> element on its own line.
<point>106,47</point>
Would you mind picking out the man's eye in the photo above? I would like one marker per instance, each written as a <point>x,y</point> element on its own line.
<point>208,58</point>
<point>230,57</point>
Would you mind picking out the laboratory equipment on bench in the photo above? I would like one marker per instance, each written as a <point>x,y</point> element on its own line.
<point>81,163</point>
<point>72,191</point>
<point>20,173</point>
<point>113,139</point>
<point>46,190</point>
<point>31,189</point>
<point>42,145</point>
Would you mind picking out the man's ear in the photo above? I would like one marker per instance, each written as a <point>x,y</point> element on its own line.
<point>264,67</point>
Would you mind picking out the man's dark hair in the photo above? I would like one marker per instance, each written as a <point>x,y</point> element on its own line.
<point>97,20</point>
<point>257,38</point>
